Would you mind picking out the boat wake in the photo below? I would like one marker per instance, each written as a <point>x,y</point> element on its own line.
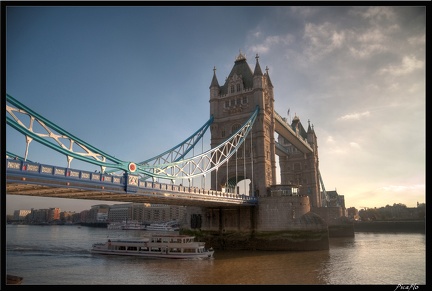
<point>44,251</point>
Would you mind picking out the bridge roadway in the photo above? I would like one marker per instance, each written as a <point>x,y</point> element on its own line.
<point>33,179</point>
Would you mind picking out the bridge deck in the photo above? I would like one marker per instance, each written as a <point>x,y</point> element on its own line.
<point>31,179</point>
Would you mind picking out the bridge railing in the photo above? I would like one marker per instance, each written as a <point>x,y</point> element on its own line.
<point>42,169</point>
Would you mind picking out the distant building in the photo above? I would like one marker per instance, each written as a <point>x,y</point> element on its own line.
<point>336,200</point>
<point>67,216</point>
<point>120,212</point>
<point>98,213</point>
<point>38,216</point>
<point>20,215</point>
<point>53,214</point>
<point>146,212</point>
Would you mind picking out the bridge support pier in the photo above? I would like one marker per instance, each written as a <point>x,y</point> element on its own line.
<point>278,223</point>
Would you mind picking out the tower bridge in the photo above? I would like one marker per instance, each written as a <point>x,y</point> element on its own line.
<point>243,150</point>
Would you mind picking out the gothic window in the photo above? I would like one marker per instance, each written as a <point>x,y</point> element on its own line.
<point>245,100</point>
<point>238,87</point>
<point>232,88</point>
<point>238,101</point>
<point>223,133</point>
<point>232,102</point>
<point>226,104</point>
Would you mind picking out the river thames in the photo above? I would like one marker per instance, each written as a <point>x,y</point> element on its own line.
<point>60,255</point>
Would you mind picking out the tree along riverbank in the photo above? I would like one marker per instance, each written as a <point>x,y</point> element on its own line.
<point>390,226</point>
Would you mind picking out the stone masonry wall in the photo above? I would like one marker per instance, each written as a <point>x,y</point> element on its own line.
<point>280,213</point>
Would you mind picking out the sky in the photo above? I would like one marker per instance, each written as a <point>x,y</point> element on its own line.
<point>134,81</point>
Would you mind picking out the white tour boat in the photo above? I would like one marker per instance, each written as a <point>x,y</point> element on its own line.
<point>156,246</point>
<point>127,225</point>
<point>166,226</point>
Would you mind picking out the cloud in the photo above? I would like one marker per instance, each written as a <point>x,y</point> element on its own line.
<point>330,139</point>
<point>398,188</point>
<point>379,13</point>
<point>355,116</point>
<point>336,150</point>
<point>322,39</point>
<point>270,42</point>
<point>354,145</point>
<point>304,11</point>
<point>408,65</point>
<point>343,148</point>
<point>418,41</point>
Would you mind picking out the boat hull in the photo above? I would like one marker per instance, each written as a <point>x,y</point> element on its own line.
<point>205,255</point>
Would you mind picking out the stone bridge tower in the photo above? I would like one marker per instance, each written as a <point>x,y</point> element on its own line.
<point>231,106</point>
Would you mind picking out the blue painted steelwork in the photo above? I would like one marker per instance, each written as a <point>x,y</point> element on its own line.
<point>90,154</point>
<point>208,161</point>
<point>28,169</point>
<point>178,152</point>
<point>170,165</point>
<point>181,150</point>
<point>15,156</point>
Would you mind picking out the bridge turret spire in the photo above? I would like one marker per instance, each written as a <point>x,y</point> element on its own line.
<point>214,86</point>
<point>214,82</point>
<point>257,71</point>
<point>257,75</point>
<point>241,56</point>
<point>268,77</point>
